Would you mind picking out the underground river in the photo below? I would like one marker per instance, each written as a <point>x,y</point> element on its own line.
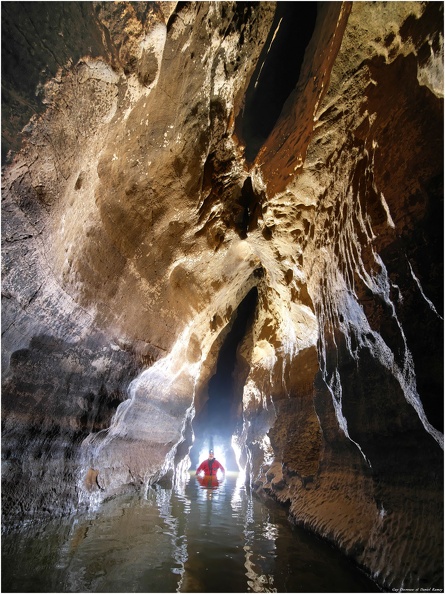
<point>191,538</point>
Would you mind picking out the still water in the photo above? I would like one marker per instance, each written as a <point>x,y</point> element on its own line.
<point>199,538</point>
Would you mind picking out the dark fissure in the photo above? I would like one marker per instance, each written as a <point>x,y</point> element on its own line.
<point>249,204</point>
<point>218,420</point>
<point>277,73</point>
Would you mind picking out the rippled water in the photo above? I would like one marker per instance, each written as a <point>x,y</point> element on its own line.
<point>200,538</point>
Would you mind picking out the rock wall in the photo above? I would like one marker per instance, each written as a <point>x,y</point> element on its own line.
<point>164,174</point>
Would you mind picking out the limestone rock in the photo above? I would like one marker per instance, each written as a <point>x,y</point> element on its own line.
<point>156,180</point>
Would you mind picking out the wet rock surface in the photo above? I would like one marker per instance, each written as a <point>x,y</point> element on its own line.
<point>146,198</point>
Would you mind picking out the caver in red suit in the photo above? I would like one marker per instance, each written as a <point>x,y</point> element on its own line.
<point>210,467</point>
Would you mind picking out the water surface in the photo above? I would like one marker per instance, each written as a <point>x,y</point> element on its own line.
<point>198,538</point>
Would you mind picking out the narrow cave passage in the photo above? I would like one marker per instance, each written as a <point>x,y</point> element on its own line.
<point>216,423</point>
<point>277,72</point>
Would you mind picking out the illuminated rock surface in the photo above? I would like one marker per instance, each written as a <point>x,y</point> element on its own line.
<point>181,156</point>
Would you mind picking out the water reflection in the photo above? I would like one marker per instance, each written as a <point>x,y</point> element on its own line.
<point>199,538</point>
<point>209,483</point>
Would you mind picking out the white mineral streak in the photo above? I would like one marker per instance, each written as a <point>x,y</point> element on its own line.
<point>388,214</point>
<point>430,303</point>
<point>267,51</point>
<point>335,388</point>
<point>431,74</point>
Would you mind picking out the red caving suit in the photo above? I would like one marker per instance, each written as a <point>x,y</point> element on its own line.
<point>209,469</point>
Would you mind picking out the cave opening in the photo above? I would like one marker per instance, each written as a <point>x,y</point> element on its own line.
<point>276,74</point>
<point>217,421</point>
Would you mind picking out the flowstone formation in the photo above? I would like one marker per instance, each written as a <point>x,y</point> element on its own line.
<point>166,164</point>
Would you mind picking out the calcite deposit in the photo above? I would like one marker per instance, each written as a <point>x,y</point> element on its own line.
<point>167,165</point>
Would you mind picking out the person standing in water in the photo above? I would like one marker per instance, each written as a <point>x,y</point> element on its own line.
<point>210,466</point>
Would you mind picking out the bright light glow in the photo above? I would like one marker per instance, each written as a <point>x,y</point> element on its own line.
<point>240,487</point>
<point>236,448</point>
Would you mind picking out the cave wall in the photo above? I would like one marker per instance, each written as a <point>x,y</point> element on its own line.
<point>374,402</point>
<point>139,209</point>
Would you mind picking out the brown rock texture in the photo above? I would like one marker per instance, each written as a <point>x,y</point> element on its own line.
<point>168,165</point>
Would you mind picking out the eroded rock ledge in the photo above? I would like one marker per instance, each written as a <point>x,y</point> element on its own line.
<point>163,176</point>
